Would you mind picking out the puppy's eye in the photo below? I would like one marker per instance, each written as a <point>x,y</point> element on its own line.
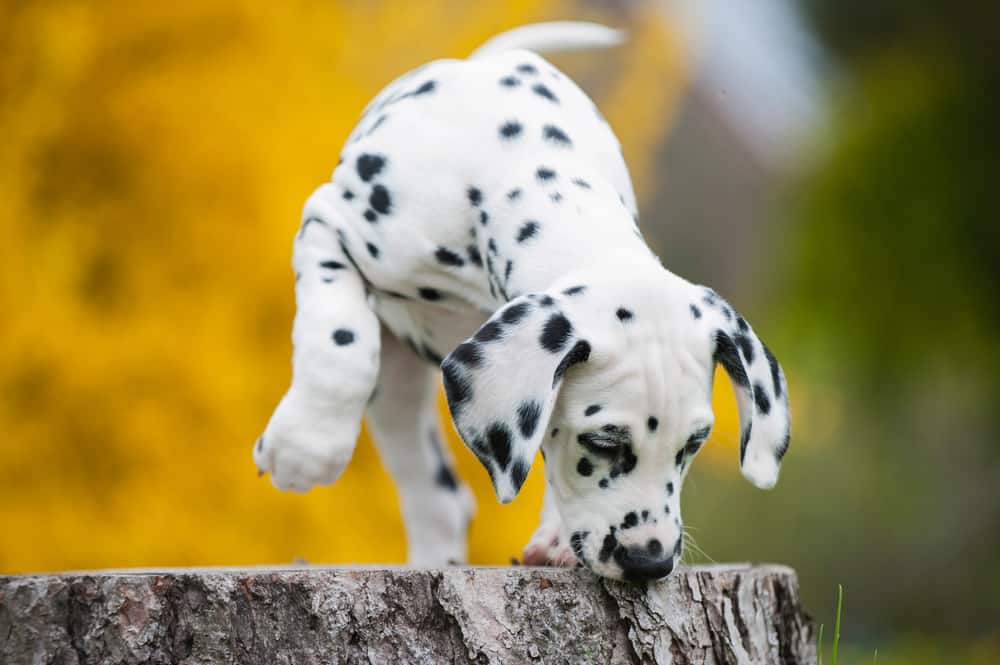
<point>606,441</point>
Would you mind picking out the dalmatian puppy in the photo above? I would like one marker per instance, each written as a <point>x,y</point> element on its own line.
<point>481,223</point>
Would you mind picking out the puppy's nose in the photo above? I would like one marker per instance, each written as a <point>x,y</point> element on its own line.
<point>640,564</point>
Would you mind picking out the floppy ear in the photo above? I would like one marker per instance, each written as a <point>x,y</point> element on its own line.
<point>502,384</point>
<point>760,387</point>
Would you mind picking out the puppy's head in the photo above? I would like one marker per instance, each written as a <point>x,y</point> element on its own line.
<point>612,379</point>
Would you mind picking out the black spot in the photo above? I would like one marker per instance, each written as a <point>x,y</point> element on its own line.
<point>372,250</point>
<point>543,91</point>
<point>726,312</point>
<point>527,69</point>
<point>556,135</point>
<point>457,388</point>
<point>370,215</point>
<point>547,301</point>
<point>375,125</point>
<point>527,417</point>
<point>652,423</point>
<point>380,199</point>
<point>514,194</point>
<point>761,399</point>
<point>578,354</point>
<point>679,458</point>
<point>492,245</point>
<point>510,82</point>
<point>603,483</point>
<point>528,230</point>
<point>446,479</point>
<point>575,290</point>
<point>507,270</point>
<point>518,473</point>
<point>475,196</point>
<point>783,448</point>
<point>742,324</point>
<point>483,217</point>
<point>584,467</point>
<point>628,461</point>
<point>576,542</point>
<point>645,515</point>
<point>474,256</point>
<point>428,293</point>
<point>695,441</point>
<point>670,489</point>
<point>695,312</point>
<point>514,313</point>
<point>545,174</point>
<point>332,265</point>
<point>744,440</point>
<point>580,182</point>
<point>607,547</point>
<point>348,195</point>
<point>727,356</point>
<point>631,520</point>
<point>775,370</point>
<point>556,333</point>
<point>592,409</point>
<point>490,331</point>
<point>498,439</point>
<point>449,258</point>
<point>370,166</point>
<point>511,129</point>
<point>468,353</point>
<point>425,88</point>
<point>677,548</point>
<point>343,337</point>
<point>654,547</point>
<point>623,314</point>
<point>555,197</point>
<point>555,432</point>
<point>666,509</point>
<point>746,346</point>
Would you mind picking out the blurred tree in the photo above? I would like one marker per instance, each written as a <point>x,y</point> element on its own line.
<point>892,303</point>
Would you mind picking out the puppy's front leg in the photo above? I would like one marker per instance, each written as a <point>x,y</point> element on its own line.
<point>550,545</point>
<point>311,435</point>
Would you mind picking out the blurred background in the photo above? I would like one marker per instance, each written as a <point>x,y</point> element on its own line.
<point>830,166</point>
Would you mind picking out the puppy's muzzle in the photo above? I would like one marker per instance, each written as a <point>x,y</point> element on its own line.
<point>644,563</point>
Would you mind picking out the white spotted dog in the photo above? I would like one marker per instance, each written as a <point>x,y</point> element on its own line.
<point>491,188</point>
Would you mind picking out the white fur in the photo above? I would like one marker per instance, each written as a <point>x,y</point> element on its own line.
<point>424,192</point>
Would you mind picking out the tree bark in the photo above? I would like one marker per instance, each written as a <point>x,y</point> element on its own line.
<point>701,615</point>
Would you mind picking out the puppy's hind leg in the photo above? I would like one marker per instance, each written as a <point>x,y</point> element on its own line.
<point>311,435</point>
<point>404,421</point>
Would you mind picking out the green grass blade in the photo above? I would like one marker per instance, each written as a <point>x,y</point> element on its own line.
<point>875,658</point>
<point>836,629</point>
<point>819,647</point>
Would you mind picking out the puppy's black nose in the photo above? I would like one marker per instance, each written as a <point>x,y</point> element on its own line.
<point>640,564</point>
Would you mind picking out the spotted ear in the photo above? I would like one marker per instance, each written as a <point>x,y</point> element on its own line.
<point>502,384</point>
<point>760,387</point>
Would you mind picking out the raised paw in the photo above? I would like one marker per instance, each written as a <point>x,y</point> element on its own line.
<point>302,448</point>
<point>549,547</point>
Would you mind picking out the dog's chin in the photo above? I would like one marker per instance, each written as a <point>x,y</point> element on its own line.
<point>608,572</point>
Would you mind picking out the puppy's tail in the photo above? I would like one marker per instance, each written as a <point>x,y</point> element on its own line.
<point>552,36</point>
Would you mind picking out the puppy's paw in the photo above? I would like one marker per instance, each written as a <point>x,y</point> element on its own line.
<point>304,447</point>
<point>549,547</point>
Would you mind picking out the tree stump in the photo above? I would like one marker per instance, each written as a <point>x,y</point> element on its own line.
<point>701,615</point>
